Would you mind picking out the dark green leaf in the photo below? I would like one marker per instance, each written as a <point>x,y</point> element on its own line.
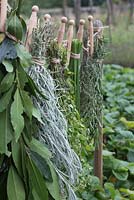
<point>14,26</point>
<point>27,103</point>
<point>16,115</point>
<point>42,165</point>
<point>8,65</point>
<point>5,132</point>
<point>53,187</point>
<point>24,28</point>
<point>22,77</point>
<point>7,82</point>
<point>15,187</point>
<point>7,50</point>
<point>29,127</point>
<point>37,180</point>
<point>5,99</point>
<point>16,155</point>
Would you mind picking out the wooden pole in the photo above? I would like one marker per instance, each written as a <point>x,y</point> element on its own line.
<point>69,39</point>
<point>31,25</point>
<point>98,156</point>
<point>91,37</point>
<point>61,30</point>
<point>3,15</point>
<point>80,30</point>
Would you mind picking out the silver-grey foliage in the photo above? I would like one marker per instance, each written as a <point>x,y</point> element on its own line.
<point>53,131</point>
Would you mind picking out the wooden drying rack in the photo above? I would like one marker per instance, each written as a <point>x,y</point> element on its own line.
<point>98,159</point>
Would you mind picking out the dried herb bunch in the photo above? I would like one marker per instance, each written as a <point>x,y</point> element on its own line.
<point>91,88</point>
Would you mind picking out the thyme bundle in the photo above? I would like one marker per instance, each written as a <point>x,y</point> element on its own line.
<point>91,89</point>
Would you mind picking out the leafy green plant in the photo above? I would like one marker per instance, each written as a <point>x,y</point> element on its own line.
<point>23,159</point>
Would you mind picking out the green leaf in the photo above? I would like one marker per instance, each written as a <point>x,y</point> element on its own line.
<point>37,114</point>
<point>35,195</point>
<point>24,28</point>
<point>14,26</point>
<point>37,181</point>
<point>53,187</point>
<point>8,65</point>
<point>16,115</point>
<point>131,168</point>
<point>16,155</point>
<point>22,77</point>
<point>27,103</point>
<point>15,187</point>
<point>5,99</point>
<point>130,110</point>
<point>35,88</point>
<point>130,155</point>
<point>107,153</point>
<point>23,54</point>
<point>7,82</point>
<point>126,134</point>
<point>121,175</point>
<point>40,148</point>
<point>5,132</point>
<point>42,165</point>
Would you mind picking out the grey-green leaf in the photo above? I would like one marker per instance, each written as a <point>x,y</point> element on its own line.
<point>15,187</point>
<point>37,114</point>
<point>16,115</point>
<point>5,132</point>
<point>7,82</point>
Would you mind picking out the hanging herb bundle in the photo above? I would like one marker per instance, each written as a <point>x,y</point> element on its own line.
<point>74,67</point>
<point>56,58</point>
<point>53,130</point>
<point>26,169</point>
<point>91,88</point>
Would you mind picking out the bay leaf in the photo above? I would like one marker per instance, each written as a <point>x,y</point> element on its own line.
<point>7,82</point>
<point>15,187</point>
<point>37,180</point>
<point>16,115</point>
<point>5,132</point>
<point>5,99</point>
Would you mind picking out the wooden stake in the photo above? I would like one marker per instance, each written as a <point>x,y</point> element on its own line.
<point>47,17</point>
<point>3,15</point>
<point>69,39</point>
<point>81,30</point>
<point>31,25</point>
<point>61,30</point>
<point>91,38</point>
<point>98,158</point>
